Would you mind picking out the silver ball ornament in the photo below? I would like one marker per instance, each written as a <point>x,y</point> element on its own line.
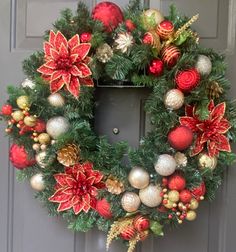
<point>56,100</point>
<point>57,126</point>
<point>165,165</point>
<point>151,195</point>
<point>138,177</point>
<point>37,182</point>
<point>130,202</point>
<point>203,65</point>
<point>174,99</point>
<point>42,160</point>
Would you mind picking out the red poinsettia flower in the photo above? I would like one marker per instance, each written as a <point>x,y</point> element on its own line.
<point>77,188</point>
<point>66,63</point>
<point>209,132</point>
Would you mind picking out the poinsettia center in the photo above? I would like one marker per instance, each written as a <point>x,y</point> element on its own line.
<point>209,128</point>
<point>81,188</point>
<point>64,63</point>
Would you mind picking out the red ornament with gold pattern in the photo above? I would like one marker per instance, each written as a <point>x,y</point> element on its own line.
<point>170,55</point>
<point>165,29</point>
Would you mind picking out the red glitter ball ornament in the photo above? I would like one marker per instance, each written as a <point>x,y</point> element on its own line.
<point>187,80</point>
<point>141,223</point>
<point>128,233</point>
<point>40,126</point>
<point>148,38</point>
<point>6,109</point>
<point>176,182</point>
<point>185,196</point>
<point>199,191</point>
<point>85,37</point>
<point>19,157</point>
<point>109,14</point>
<point>180,138</point>
<point>130,25</point>
<point>170,55</point>
<point>165,29</point>
<point>156,67</point>
<point>103,208</point>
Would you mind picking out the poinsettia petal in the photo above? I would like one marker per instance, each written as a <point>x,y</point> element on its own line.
<point>51,64</point>
<point>45,70</point>
<point>75,71</point>
<point>54,54</point>
<point>47,49</point>
<point>189,122</point>
<point>198,146</point>
<point>86,200</point>
<point>71,181</point>
<point>223,143</point>
<point>63,51</point>
<point>87,82</point>
<point>66,78</point>
<point>56,85</point>
<point>63,206</point>
<point>59,196</point>
<point>61,178</point>
<point>98,176</point>
<point>78,207</point>
<point>73,58</point>
<point>82,50</point>
<point>211,147</point>
<point>189,110</point>
<point>87,60</point>
<point>211,105</point>
<point>57,74</point>
<point>84,70</point>
<point>219,110</point>
<point>59,40</point>
<point>90,180</point>
<point>52,36</point>
<point>74,41</point>
<point>93,202</point>
<point>74,86</point>
<point>223,126</point>
<point>68,191</point>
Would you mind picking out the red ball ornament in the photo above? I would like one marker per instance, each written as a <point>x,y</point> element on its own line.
<point>185,196</point>
<point>130,26</point>
<point>187,80</point>
<point>199,191</point>
<point>141,223</point>
<point>156,67</point>
<point>85,37</point>
<point>176,182</point>
<point>128,233</point>
<point>109,14</point>
<point>170,55</point>
<point>180,138</point>
<point>6,110</point>
<point>104,208</point>
<point>19,157</point>
<point>165,29</point>
<point>148,38</point>
<point>40,126</point>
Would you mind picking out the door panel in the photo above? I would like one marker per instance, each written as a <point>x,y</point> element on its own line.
<point>24,224</point>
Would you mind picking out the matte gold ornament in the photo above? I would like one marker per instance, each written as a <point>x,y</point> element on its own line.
<point>151,195</point>
<point>68,155</point>
<point>203,65</point>
<point>56,100</point>
<point>37,182</point>
<point>205,161</point>
<point>42,160</point>
<point>138,177</point>
<point>193,204</point>
<point>169,204</point>
<point>30,121</point>
<point>151,19</point>
<point>181,159</point>
<point>114,186</point>
<point>165,165</point>
<point>174,99</point>
<point>23,102</point>
<point>57,126</point>
<point>17,115</point>
<point>44,138</point>
<point>130,202</point>
<point>191,215</point>
<point>173,196</point>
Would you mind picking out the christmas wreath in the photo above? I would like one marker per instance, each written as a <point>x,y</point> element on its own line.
<point>80,175</point>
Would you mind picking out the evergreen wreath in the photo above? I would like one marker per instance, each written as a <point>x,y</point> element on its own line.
<point>81,176</point>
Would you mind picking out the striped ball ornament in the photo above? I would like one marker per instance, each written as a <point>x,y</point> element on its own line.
<point>165,29</point>
<point>170,55</point>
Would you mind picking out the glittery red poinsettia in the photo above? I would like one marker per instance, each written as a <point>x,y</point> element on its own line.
<point>210,132</point>
<point>66,63</point>
<point>77,188</point>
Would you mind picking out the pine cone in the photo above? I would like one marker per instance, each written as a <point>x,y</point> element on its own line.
<point>114,186</point>
<point>214,90</point>
<point>68,155</point>
<point>104,53</point>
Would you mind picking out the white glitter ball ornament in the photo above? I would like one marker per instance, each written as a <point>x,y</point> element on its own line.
<point>165,165</point>
<point>130,202</point>
<point>203,65</point>
<point>37,182</point>
<point>151,195</point>
<point>56,100</point>
<point>174,99</point>
<point>57,126</point>
<point>138,177</point>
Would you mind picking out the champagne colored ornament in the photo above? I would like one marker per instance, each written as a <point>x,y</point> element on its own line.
<point>151,19</point>
<point>174,99</point>
<point>138,178</point>
<point>170,55</point>
<point>37,182</point>
<point>130,202</point>
<point>193,204</point>
<point>30,121</point>
<point>165,29</point>
<point>205,161</point>
<point>56,100</point>
<point>17,115</point>
<point>203,65</point>
<point>69,155</point>
<point>151,195</point>
<point>23,102</point>
<point>36,147</point>
<point>44,138</point>
<point>173,196</point>
<point>57,126</point>
<point>165,165</point>
<point>42,160</point>
<point>181,159</point>
<point>191,215</point>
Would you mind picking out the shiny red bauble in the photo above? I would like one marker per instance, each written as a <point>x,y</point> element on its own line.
<point>187,80</point>
<point>148,38</point>
<point>103,208</point>
<point>130,26</point>
<point>170,55</point>
<point>199,191</point>
<point>156,67</point>
<point>19,157</point>
<point>6,110</point>
<point>128,233</point>
<point>165,29</point>
<point>176,182</point>
<point>109,14</point>
<point>141,223</point>
<point>85,37</point>
<point>185,196</point>
<point>180,138</point>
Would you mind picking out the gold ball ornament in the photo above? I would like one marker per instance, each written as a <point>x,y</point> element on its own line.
<point>165,165</point>
<point>44,138</point>
<point>205,161</point>
<point>173,196</point>
<point>56,126</point>
<point>42,160</point>
<point>30,121</point>
<point>37,182</point>
<point>151,19</point>
<point>151,195</point>
<point>191,215</point>
<point>193,204</point>
<point>174,99</point>
<point>138,178</point>
<point>130,202</point>
<point>17,115</point>
<point>56,100</point>
<point>169,204</point>
<point>23,102</point>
